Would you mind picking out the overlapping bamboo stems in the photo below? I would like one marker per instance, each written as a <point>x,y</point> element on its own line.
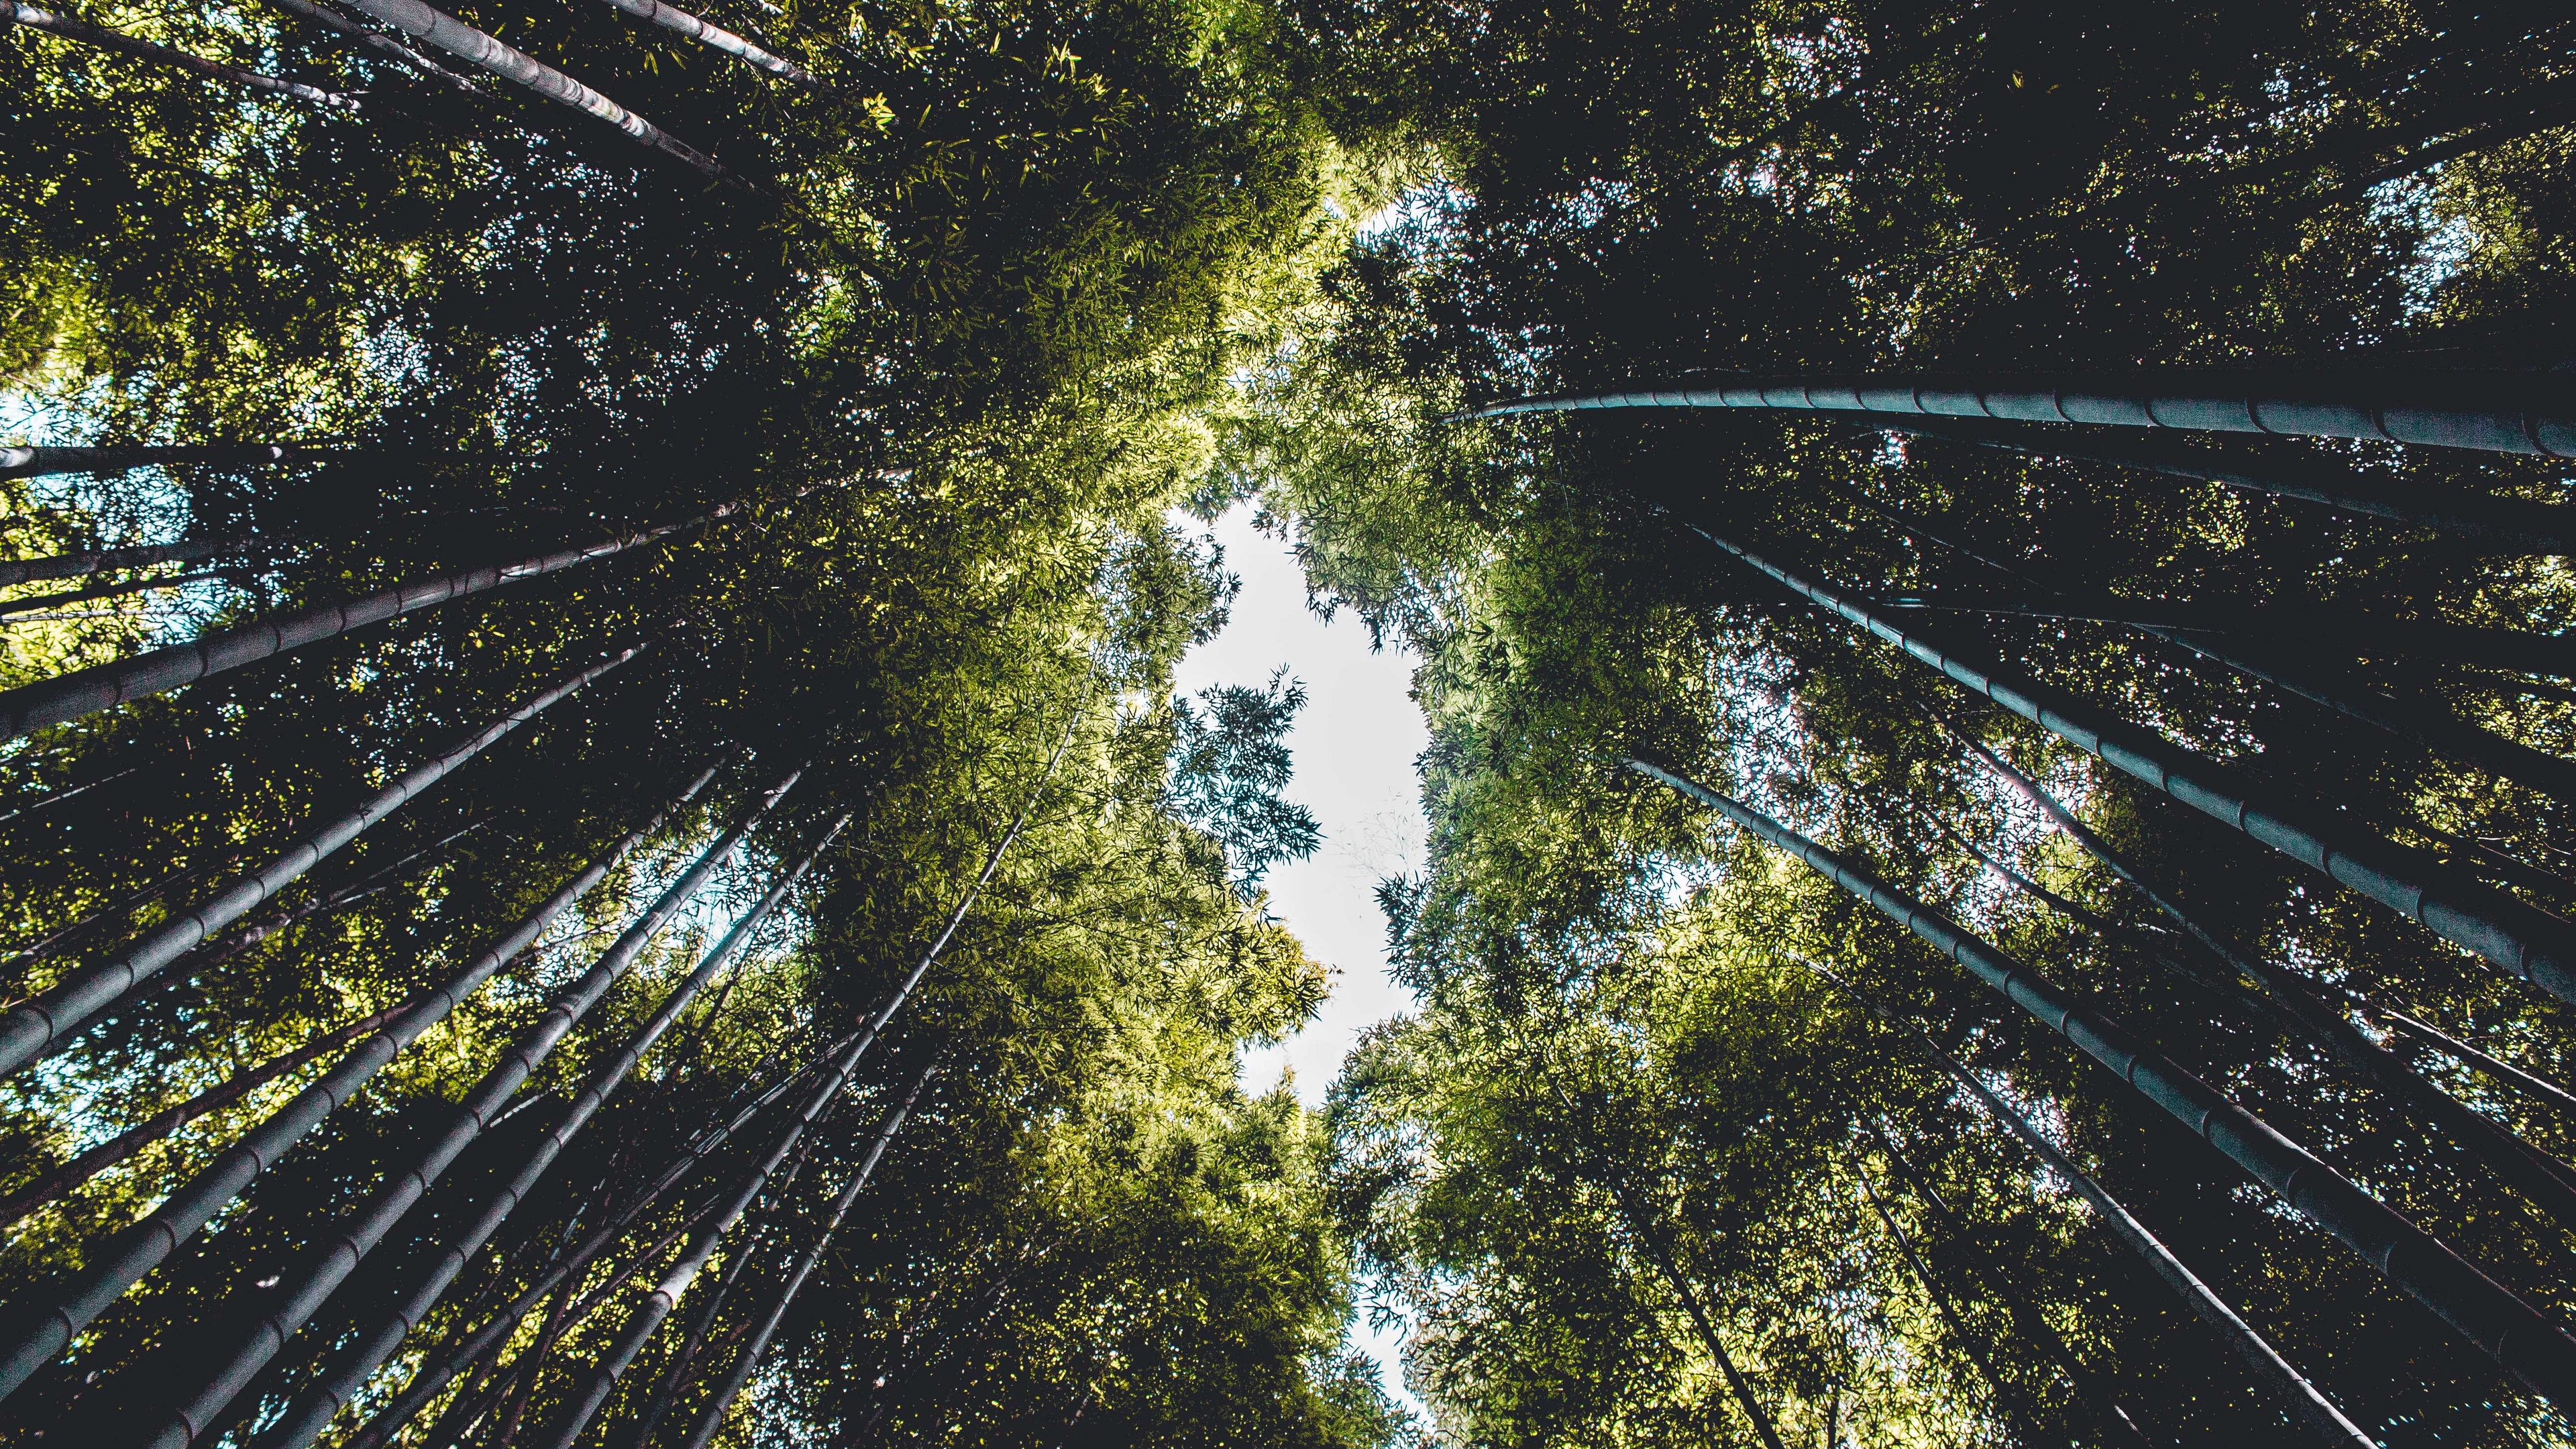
<point>671,17</point>
<point>1979,1353</point>
<point>711,1416</point>
<point>2431,728</point>
<point>2526,1343</point>
<point>423,22</point>
<point>476,1347</point>
<point>98,35</point>
<point>105,1278</point>
<point>76,565</point>
<point>62,1180</point>
<point>2092,1386</point>
<point>2541,1177</point>
<point>2503,1071</point>
<point>2524,942</point>
<point>2527,413</point>
<point>2273,1371</point>
<point>314,1409</point>
<point>86,691</point>
<point>1647,1229</point>
<point>385,45</point>
<point>32,1028</point>
<point>350,1246</point>
<point>2546,527</point>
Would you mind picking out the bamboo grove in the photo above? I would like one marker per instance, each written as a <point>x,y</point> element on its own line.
<point>600,850</point>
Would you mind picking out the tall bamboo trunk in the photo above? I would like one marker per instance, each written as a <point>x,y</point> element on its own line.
<point>313,1411</point>
<point>1979,1352</point>
<point>2272,1370</point>
<point>36,462</point>
<point>671,17</point>
<point>88,34</point>
<point>384,45</point>
<point>31,1029</point>
<point>2522,1340</point>
<point>159,1127</point>
<point>20,608</point>
<point>2510,522</point>
<point>452,1262</point>
<point>2351,637</point>
<point>422,22</point>
<point>2096,1391</point>
<point>86,691</point>
<point>2539,1176</point>
<point>711,1417</point>
<point>103,1280</point>
<point>74,565</point>
<point>2502,1071</point>
<point>2524,942</point>
<point>2430,728</point>
<point>443,1368</point>
<point>2496,412</point>
<point>353,1242</point>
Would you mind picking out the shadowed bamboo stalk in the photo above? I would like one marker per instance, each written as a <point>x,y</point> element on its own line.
<point>1979,1353</point>
<point>351,1244</point>
<point>73,565</point>
<point>2522,1341</point>
<point>711,1417</point>
<point>2351,636</point>
<point>2540,1177</point>
<point>85,691</point>
<point>29,1030</point>
<point>16,607</point>
<point>671,17</point>
<point>155,1128</point>
<point>313,1411</point>
<point>2496,412</point>
<point>423,22</point>
<point>106,39</point>
<point>427,1385</point>
<point>2547,527</point>
<point>2269,1367</point>
<point>2523,941</point>
<point>475,1347</point>
<point>106,1277</point>
<point>2503,1071</point>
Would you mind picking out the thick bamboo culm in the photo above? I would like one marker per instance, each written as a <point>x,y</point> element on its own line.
<point>2501,412</point>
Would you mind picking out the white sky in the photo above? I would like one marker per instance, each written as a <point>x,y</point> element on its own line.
<point>1354,746</point>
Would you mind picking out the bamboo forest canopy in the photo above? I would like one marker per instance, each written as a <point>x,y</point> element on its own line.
<point>600,848</point>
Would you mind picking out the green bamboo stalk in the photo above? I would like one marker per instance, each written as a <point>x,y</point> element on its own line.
<point>2272,1370</point>
<point>350,1246</point>
<point>32,1028</point>
<point>2496,412</point>
<point>2526,943</point>
<point>2521,1340</point>
<point>107,1276</point>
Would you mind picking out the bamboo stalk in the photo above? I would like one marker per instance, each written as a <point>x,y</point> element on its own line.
<point>2274,1371</point>
<point>671,17</point>
<point>24,462</point>
<point>350,1245</point>
<point>2502,412</point>
<point>105,39</point>
<point>72,565</point>
<point>32,1028</point>
<point>106,1277</point>
<point>2521,1340</point>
